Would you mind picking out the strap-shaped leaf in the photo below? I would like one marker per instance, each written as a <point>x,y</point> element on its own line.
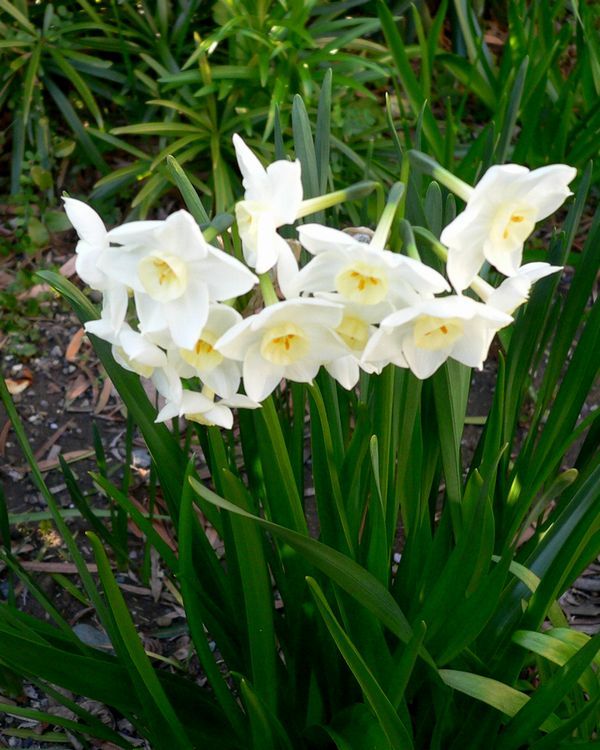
<point>547,697</point>
<point>350,576</point>
<point>389,720</point>
<point>496,694</point>
<point>134,656</point>
<point>167,455</point>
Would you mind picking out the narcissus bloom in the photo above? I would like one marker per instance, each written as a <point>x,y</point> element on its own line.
<point>286,340</point>
<point>360,273</point>
<point>93,241</point>
<point>514,291</point>
<point>131,349</point>
<point>195,406</point>
<point>272,199</point>
<point>500,214</point>
<point>355,330</point>
<point>423,336</point>
<point>220,374</point>
<point>174,273</point>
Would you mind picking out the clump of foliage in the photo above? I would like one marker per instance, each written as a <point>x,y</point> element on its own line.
<point>331,639</point>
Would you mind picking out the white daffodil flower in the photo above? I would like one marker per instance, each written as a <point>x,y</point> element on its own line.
<point>501,213</point>
<point>422,337</point>
<point>272,199</point>
<point>194,406</point>
<point>174,273</point>
<point>514,291</point>
<point>220,374</point>
<point>354,331</point>
<point>93,241</point>
<point>289,339</point>
<point>131,349</point>
<point>361,273</point>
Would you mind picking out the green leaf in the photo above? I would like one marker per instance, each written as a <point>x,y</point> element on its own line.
<point>547,697</point>
<point>187,190</point>
<point>267,732</point>
<point>195,614</point>
<point>65,106</point>
<point>21,18</point>
<point>451,388</point>
<point>496,694</point>
<point>323,132</point>
<point>97,730</point>
<point>557,651</point>
<point>29,82</point>
<point>104,678</point>
<point>258,596</point>
<point>305,148</point>
<point>157,128</point>
<point>389,720</point>
<point>165,452</point>
<point>350,576</point>
<point>555,739</point>
<point>143,675</point>
<point>76,80</point>
<point>408,79</point>
<point>356,728</point>
<point>515,93</point>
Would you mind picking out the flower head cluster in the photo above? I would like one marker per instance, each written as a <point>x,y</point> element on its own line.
<point>172,300</point>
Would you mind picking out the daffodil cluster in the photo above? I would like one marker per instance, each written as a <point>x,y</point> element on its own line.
<point>171,300</point>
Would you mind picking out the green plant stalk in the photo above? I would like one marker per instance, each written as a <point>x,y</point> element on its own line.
<point>149,683</point>
<point>431,167</point>
<point>352,193</point>
<point>315,394</point>
<point>282,460</point>
<point>387,217</point>
<point>267,289</point>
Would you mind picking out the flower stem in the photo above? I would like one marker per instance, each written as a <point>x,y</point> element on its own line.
<point>267,289</point>
<point>440,250</point>
<point>387,217</point>
<point>430,166</point>
<point>352,193</point>
<point>408,240</point>
<point>481,288</point>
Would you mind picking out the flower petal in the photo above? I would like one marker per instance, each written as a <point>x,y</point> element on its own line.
<point>226,277</point>
<point>285,185</point>
<point>254,175</point>
<point>260,377</point>
<point>86,222</point>
<point>318,239</point>
<point>423,362</point>
<point>186,316</point>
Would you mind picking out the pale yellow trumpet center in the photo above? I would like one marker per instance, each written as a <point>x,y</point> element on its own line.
<point>284,344</point>
<point>362,283</point>
<point>512,225</point>
<point>432,333</point>
<point>164,277</point>
<point>354,332</point>
<point>203,357</point>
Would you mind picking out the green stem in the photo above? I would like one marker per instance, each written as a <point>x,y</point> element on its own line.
<point>387,217</point>
<point>431,167</point>
<point>284,465</point>
<point>267,289</point>
<point>336,489</point>
<point>481,288</point>
<point>408,240</point>
<point>352,193</point>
